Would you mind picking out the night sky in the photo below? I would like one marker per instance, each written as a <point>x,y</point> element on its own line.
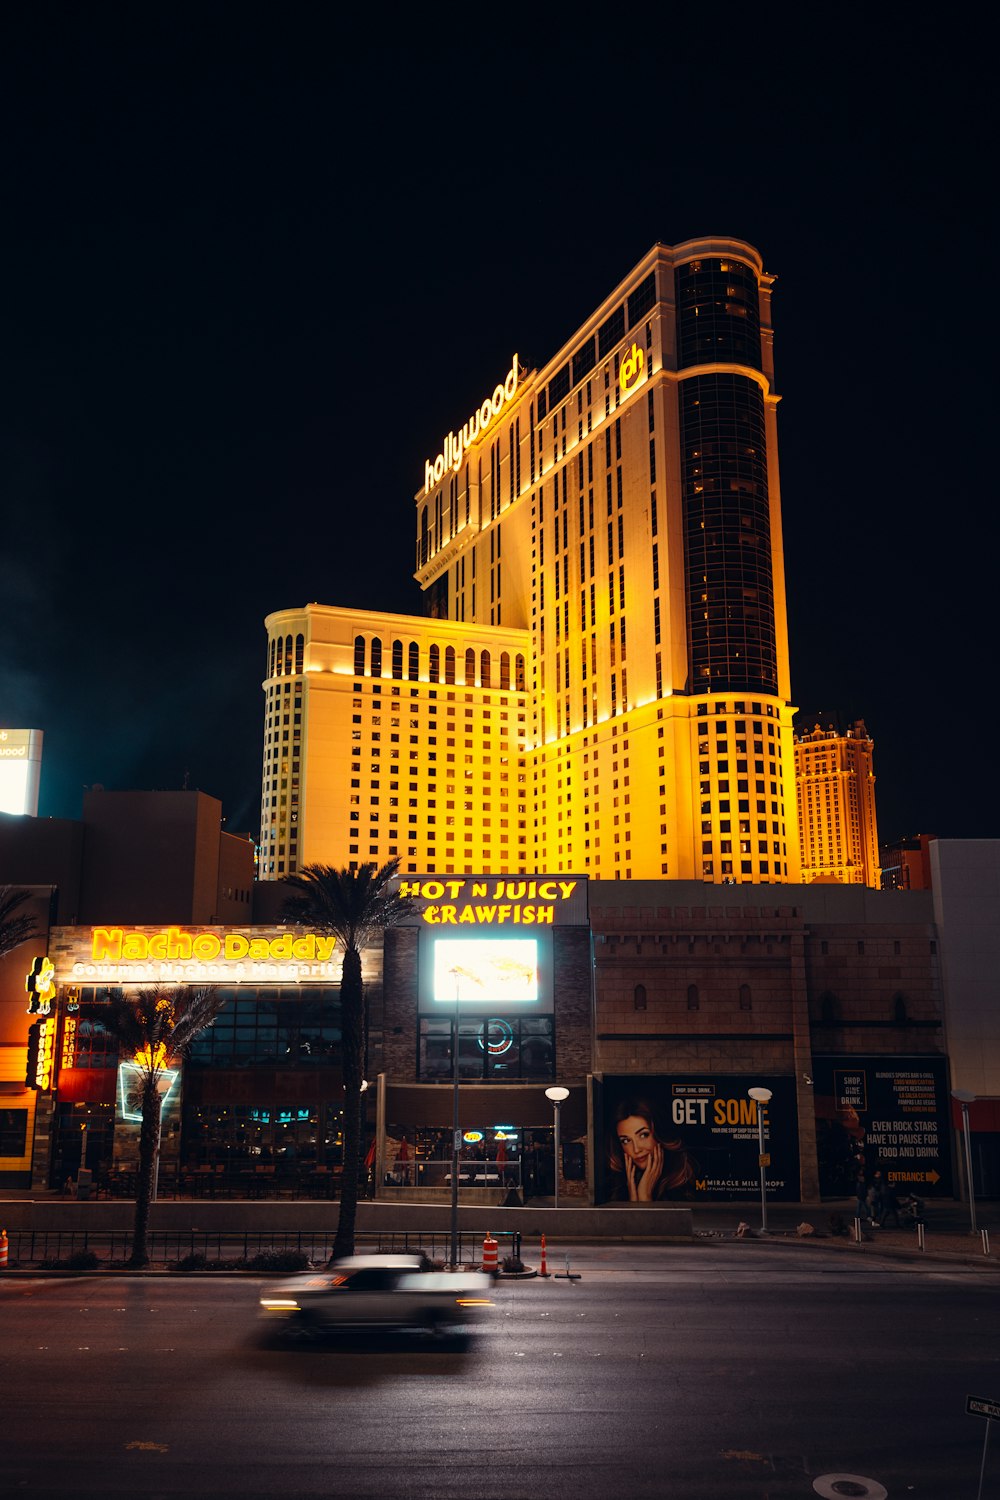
<point>257,260</point>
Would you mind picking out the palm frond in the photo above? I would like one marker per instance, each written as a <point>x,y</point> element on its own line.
<point>354,905</point>
<point>143,1021</point>
<point>15,926</point>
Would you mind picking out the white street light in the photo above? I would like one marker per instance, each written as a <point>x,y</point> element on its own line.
<point>456,1134</point>
<point>760,1098</point>
<point>557,1094</point>
<point>966,1097</point>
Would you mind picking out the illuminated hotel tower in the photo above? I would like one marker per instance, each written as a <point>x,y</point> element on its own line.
<point>600,548</point>
<point>835,782</point>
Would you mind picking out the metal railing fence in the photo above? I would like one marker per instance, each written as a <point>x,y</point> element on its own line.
<point>40,1248</point>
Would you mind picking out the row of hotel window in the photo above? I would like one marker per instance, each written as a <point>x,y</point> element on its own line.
<point>368,662</point>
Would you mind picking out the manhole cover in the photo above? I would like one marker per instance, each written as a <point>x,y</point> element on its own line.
<point>840,1486</point>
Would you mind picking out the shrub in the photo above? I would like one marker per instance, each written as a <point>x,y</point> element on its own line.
<point>198,1262</point>
<point>191,1262</point>
<point>80,1260</point>
<point>278,1260</point>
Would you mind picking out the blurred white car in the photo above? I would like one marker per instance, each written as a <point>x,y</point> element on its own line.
<point>384,1291</point>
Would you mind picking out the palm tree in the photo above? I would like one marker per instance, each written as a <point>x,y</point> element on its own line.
<point>356,906</point>
<point>154,1029</point>
<point>15,926</point>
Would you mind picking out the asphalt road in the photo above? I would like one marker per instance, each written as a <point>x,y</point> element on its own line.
<point>744,1372</point>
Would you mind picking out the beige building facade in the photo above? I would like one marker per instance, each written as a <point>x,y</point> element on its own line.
<point>612,519</point>
<point>835,786</point>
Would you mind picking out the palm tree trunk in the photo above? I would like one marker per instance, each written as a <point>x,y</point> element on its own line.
<point>352,1021</point>
<point>149,1145</point>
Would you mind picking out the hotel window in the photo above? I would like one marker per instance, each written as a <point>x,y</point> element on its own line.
<point>359,655</point>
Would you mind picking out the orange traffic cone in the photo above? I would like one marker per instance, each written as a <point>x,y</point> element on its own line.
<point>3,1249</point>
<point>543,1269</point>
<point>490,1249</point>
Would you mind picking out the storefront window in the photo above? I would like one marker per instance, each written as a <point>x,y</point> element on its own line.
<point>289,1137</point>
<point>494,1049</point>
<point>287,1027</point>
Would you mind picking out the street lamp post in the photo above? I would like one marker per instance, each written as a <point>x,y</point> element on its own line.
<point>761,1097</point>
<point>455,1128</point>
<point>557,1094</point>
<point>965,1098</point>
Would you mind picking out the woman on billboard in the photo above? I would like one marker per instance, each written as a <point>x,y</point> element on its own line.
<point>647,1164</point>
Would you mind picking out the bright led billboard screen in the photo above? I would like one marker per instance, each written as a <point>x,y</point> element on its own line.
<point>497,973</point>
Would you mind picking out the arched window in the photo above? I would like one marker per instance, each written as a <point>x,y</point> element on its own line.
<point>397,659</point>
<point>449,664</point>
<point>424,537</point>
<point>694,1002</point>
<point>413,668</point>
<point>434,669</point>
<point>746,1002</point>
<point>899,1014</point>
<point>376,656</point>
<point>639,997</point>
<point>359,655</point>
<point>300,646</point>
<point>519,674</point>
<point>271,659</point>
<point>470,668</point>
<point>505,669</point>
<point>484,668</point>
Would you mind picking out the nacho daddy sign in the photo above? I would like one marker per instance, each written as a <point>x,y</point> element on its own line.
<point>200,955</point>
<point>490,901</point>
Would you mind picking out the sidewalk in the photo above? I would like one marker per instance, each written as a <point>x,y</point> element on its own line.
<point>947,1229</point>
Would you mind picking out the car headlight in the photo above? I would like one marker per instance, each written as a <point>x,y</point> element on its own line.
<point>279,1304</point>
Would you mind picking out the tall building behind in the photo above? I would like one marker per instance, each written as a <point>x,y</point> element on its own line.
<point>835,784</point>
<point>613,519</point>
<point>906,863</point>
<point>20,770</point>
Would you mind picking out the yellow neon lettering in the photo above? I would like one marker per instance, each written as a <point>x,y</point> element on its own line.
<point>632,366</point>
<point>237,946</point>
<point>454,449</point>
<point>178,943</point>
<point>106,943</point>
